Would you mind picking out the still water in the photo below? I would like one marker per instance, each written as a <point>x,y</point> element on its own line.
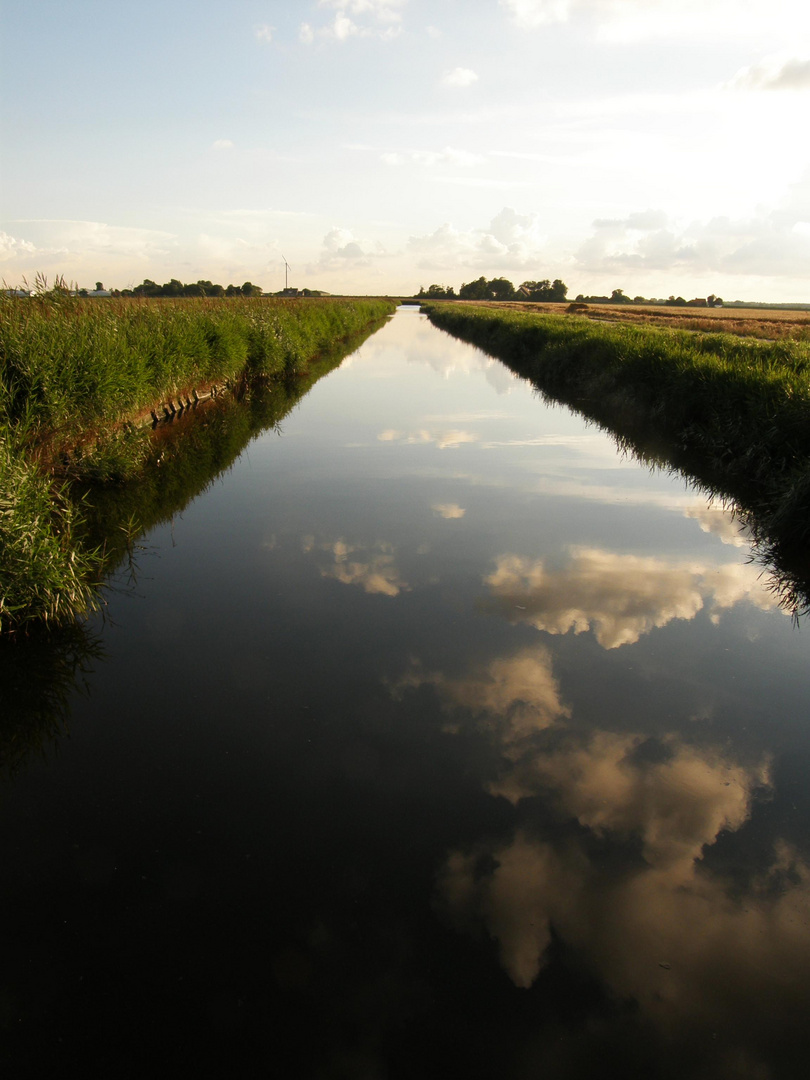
<point>435,739</point>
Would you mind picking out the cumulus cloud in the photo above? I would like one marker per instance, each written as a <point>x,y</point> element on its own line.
<point>511,241</point>
<point>342,251</point>
<point>448,511</point>
<point>769,242</point>
<point>375,18</point>
<point>447,439</point>
<point>384,10</point>
<point>11,247</point>
<point>778,72</point>
<point>516,696</point>
<point>59,238</point>
<point>460,77</point>
<point>222,144</point>
<point>721,523</point>
<point>371,568</point>
<point>619,597</point>
<point>674,797</point>
<point>638,927</point>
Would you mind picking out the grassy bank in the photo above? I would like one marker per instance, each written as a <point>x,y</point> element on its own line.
<point>74,374</point>
<point>735,412</point>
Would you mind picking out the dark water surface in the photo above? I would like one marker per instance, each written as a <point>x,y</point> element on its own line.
<point>435,739</point>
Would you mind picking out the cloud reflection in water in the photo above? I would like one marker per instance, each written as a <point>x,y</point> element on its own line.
<point>620,597</point>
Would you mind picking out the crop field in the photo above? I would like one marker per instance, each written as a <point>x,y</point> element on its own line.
<point>769,324</point>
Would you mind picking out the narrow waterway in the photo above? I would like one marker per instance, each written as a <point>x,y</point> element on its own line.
<point>436,738</point>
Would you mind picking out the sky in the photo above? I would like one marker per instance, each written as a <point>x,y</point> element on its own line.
<point>657,146</point>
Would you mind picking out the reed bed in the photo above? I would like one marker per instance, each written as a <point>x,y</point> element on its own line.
<point>740,408</point>
<point>74,372</point>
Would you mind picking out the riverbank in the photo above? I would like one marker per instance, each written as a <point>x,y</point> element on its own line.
<point>732,411</point>
<point>75,374</point>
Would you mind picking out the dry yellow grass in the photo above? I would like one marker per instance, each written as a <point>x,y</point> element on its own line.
<point>772,325</point>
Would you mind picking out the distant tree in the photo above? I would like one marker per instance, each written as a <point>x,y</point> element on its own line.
<point>99,287</point>
<point>618,297</point>
<point>546,291</point>
<point>147,288</point>
<point>639,300</point>
<point>436,292</point>
<point>475,290</point>
<point>501,289</point>
<point>676,301</point>
<point>249,289</point>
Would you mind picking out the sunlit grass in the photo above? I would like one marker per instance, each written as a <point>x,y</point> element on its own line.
<point>740,407</point>
<point>73,374</point>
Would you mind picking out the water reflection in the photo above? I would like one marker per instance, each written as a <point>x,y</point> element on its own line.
<point>619,597</point>
<point>371,567</point>
<point>516,695</point>
<point>401,763</point>
<point>40,673</point>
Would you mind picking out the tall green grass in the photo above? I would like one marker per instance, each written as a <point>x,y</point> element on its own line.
<point>73,372</point>
<point>739,409</point>
<point>68,362</point>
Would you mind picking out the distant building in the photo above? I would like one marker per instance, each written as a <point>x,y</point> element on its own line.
<point>697,302</point>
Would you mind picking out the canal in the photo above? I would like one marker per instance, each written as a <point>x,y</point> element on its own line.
<point>435,738</point>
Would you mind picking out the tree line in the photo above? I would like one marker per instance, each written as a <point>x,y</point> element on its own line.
<point>547,291</point>
<point>498,289</point>
<point>198,288</point>
<point>618,296</point>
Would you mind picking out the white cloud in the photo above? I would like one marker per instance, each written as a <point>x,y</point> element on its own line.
<point>373,569</point>
<point>511,241</point>
<point>623,21</point>
<point>516,696</point>
<point>460,77</point>
<point>778,72</point>
<point>619,597</point>
<point>384,10</point>
<point>533,13</point>
<point>11,247</point>
<point>768,242</point>
<point>442,439</point>
<point>448,511</point>
<point>222,144</point>
<point>265,33</point>
<point>375,18</point>
<point>449,157</point>
<point>65,238</point>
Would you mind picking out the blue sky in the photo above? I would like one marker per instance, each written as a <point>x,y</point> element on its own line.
<point>659,146</point>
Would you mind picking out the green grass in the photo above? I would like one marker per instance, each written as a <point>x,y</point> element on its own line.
<point>733,412</point>
<point>74,372</point>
